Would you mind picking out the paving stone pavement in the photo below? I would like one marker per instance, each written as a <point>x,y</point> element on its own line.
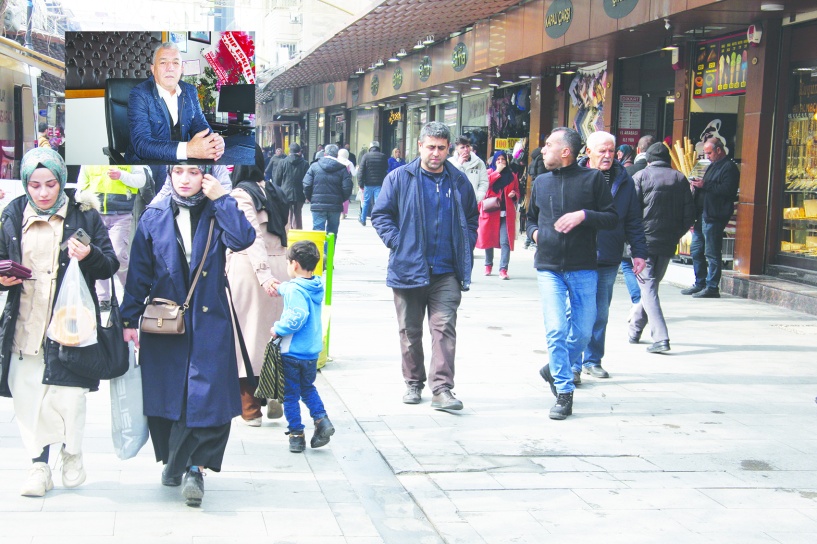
<point>712,442</point>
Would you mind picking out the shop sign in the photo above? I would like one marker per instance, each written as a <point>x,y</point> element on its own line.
<point>395,117</point>
<point>425,68</point>
<point>558,18</point>
<point>629,119</point>
<point>397,78</point>
<point>330,92</point>
<point>505,144</point>
<point>459,58</point>
<point>375,85</point>
<point>721,66</point>
<point>616,9</point>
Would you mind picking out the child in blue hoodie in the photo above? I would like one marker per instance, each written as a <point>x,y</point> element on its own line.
<point>301,342</point>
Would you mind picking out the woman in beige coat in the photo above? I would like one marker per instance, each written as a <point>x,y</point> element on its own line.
<point>252,274</point>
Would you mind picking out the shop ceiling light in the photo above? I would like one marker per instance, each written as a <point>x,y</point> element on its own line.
<point>475,88</point>
<point>507,81</point>
<point>394,58</point>
<point>476,79</point>
<point>403,97</point>
<point>524,77</point>
<point>419,45</point>
<point>772,7</point>
<point>429,39</point>
<point>435,90</point>
<point>421,93</point>
<point>360,71</point>
<point>379,63</point>
<point>402,53</point>
<point>493,84</point>
<point>455,91</point>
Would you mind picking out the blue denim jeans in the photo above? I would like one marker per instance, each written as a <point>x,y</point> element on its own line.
<point>370,194</point>
<point>327,222</point>
<point>629,279</point>
<point>567,332</point>
<point>713,238</point>
<point>696,249</point>
<point>299,384</point>
<point>505,252</point>
<point>594,352</point>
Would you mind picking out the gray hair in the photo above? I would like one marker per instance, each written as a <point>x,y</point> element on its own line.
<point>435,129</point>
<point>343,153</point>
<point>646,141</point>
<point>331,150</point>
<point>600,137</point>
<point>165,45</point>
<point>571,139</point>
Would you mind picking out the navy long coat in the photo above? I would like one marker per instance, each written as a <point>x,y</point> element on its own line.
<point>202,361</point>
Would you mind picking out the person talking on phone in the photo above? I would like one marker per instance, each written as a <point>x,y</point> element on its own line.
<point>49,399</point>
<point>165,118</point>
<point>190,382</point>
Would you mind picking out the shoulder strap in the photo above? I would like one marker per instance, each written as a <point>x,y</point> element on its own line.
<point>244,353</point>
<point>201,266</point>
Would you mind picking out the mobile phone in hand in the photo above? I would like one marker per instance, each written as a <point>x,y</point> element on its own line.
<point>81,236</point>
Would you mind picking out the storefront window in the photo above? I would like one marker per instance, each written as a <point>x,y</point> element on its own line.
<point>799,224</point>
<point>447,113</point>
<point>417,117</point>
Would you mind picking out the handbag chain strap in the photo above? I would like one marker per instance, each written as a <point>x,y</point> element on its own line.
<point>186,304</point>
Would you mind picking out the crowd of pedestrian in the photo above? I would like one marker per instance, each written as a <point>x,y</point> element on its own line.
<point>215,244</point>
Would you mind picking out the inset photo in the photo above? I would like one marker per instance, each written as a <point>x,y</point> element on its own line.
<point>164,97</point>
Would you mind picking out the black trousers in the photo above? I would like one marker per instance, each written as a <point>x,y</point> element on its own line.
<point>179,446</point>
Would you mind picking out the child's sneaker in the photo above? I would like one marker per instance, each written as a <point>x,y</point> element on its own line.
<point>323,430</point>
<point>297,442</point>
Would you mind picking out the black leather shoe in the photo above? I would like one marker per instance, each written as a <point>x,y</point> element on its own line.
<point>708,293</point>
<point>323,430</point>
<point>297,442</point>
<point>692,290</point>
<point>659,347</point>
<point>548,377</point>
<point>170,481</point>
<point>193,487</point>
<point>635,339</point>
<point>577,378</point>
<point>445,400</point>
<point>563,406</point>
<point>596,371</point>
<point>412,394</point>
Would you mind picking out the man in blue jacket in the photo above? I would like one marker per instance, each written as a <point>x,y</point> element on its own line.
<point>601,153</point>
<point>165,118</point>
<point>567,206</point>
<point>427,216</point>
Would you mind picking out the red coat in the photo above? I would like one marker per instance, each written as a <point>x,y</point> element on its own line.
<point>488,232</point>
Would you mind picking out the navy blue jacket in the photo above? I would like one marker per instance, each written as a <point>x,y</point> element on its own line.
<point>399,219</point>
<point>150,125</point>
<point>327,185</point>
<point>201,362</point>
<point>630,228</point>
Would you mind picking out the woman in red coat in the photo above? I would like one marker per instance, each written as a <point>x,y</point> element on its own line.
<point>496,228</point>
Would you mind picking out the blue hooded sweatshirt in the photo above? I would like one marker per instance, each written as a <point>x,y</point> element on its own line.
<point>300,326</point>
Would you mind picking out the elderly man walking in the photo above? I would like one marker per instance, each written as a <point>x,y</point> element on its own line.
<point>327,185</point>
<point>601,152</point>
<point>427,216</point>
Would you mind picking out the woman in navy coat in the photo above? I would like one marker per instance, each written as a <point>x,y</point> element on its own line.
<point>190,381</point>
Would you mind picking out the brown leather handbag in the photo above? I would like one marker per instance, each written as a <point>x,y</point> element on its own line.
<point>491,204</point>
<point>163,316</point>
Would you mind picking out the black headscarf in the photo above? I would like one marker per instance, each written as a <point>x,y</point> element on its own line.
<point>505,177</point>
<point>272,199</point>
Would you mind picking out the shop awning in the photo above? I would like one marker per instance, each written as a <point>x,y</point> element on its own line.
<point>386,29</point>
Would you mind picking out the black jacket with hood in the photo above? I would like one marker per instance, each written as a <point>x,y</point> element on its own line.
<point>327,185</point>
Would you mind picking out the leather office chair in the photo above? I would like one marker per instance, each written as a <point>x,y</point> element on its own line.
<point>117,91</point>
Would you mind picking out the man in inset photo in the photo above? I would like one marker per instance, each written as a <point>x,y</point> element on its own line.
<point>165,118</point>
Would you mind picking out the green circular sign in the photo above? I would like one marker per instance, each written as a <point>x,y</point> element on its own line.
<point>375,86</point>
<point>558,18</point>
<point>617,9</point>
<point>397,78</point>
<point>459,58</point>
<point>425,68</point>
<point>330,92</point>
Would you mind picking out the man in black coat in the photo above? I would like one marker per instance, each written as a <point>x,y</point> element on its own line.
<point>289,175</point>
<point>274,161</point>
<point>374,166</point>
<point>668,210</point>
<point>640,162</point>
<point>715,197</point>
<point>327,185</point>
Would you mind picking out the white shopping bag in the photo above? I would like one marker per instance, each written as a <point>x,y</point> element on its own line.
<point>129,425</point>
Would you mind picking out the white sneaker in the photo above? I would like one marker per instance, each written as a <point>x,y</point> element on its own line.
<point>254,422</point>
<point>38,482</point>
<point>73,473</point>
